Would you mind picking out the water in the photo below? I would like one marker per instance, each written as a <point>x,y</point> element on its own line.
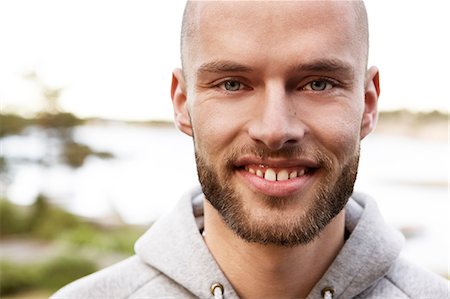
<point>154,166</point>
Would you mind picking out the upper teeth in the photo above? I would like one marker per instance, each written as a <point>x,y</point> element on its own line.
<point>271,175</point>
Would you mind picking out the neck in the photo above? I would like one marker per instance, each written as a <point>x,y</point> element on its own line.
<point>269,271</point>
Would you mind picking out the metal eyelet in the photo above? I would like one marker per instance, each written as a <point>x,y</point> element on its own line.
<point>327,293</point>
<point>217,290</point>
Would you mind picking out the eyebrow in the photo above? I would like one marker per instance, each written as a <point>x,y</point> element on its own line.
<point>325,65</point>
<point>322,65</point>
<point>223,66</point>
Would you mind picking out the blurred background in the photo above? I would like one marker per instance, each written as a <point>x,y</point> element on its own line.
<point>90,157</point>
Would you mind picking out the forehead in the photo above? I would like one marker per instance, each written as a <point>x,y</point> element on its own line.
<point>280,12</point>
<point>259,32</point>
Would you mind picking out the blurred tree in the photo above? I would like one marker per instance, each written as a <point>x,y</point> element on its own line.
<point>15,278</point>
<point>64,269</point>
<point>51,95</point>
<point>13,220</point>
<point>59,126</point>
<point>48,221</point>
<point>74,154</point>
<point>11,124</point>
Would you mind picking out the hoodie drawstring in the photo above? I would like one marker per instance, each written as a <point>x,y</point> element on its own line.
<point>217,290</point>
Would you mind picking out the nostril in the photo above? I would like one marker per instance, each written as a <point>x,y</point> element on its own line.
<point>291,141</point>
<point>277,135</point>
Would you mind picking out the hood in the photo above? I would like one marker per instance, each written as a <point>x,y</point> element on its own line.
<point>175,247</point>
<point>367,255</point>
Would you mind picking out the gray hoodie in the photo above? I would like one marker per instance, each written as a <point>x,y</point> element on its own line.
<point>172,261</point>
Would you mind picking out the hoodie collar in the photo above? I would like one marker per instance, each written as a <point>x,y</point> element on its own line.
<point>366,256</point>
<point>175,247</point>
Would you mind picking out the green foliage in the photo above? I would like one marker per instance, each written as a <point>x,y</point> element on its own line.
<point>74,154</point>
<point>413,118</point>
<point>16,277</point>
<point>47,221</point>
<point>103,155</point>
<point>58,120</point>
<point>82,236</point>
<point>13,220</point>
<point>41,219</point>
<point>52,274</point>
<point>64,269</point>
<point>59,125</point>
<point>122,240</point>
<point>79,239</point>
<point>3,165</point>
<point>106,240</point>
<point>11,124</point>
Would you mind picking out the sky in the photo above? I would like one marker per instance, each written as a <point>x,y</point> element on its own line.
<point>114,58</point>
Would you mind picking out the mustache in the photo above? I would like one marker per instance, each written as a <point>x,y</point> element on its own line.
<point>288,152</point>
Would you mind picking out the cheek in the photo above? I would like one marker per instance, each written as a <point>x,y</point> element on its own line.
<point>214,129</point>
<point>339,134</point>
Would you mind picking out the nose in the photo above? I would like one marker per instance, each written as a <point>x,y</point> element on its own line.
<point>275,122</point>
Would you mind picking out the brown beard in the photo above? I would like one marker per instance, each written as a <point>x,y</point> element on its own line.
<point>330,198</point>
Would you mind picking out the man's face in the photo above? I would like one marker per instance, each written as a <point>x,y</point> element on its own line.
<point>276,101</point>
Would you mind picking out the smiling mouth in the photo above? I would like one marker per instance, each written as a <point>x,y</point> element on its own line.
<point>276,176</point>
<point>275,179</point>
<point>277,173</point>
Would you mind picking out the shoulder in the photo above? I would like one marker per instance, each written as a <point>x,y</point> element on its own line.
<point>407,280</point>
<point>417,282</point>
<point>117,281</point>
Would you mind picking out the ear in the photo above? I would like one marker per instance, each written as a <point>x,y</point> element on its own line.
<point>179,101</point>
<point>371,94</point>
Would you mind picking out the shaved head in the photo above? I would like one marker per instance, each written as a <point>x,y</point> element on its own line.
<point>193,11</point>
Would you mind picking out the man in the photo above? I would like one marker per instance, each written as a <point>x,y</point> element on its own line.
<point>277,97</point>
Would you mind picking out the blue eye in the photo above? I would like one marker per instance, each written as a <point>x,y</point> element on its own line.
<point>319,85</point>
<point>232,85</point>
